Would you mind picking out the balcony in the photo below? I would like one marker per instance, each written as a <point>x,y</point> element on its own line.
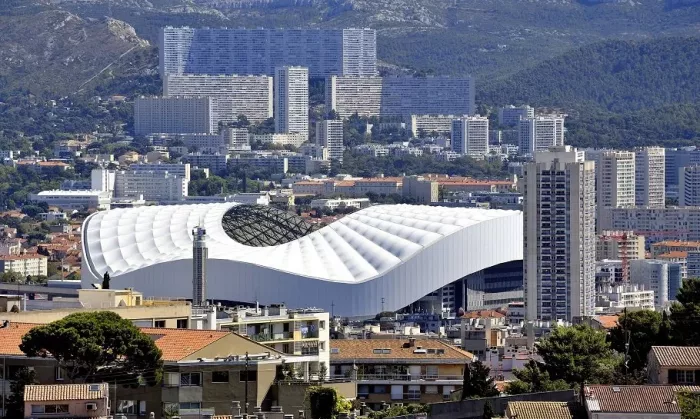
<point>404,377</point>
<point>271,337</point>
<point>311,334</point>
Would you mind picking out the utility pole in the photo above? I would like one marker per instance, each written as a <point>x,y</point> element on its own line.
<point>382,304</point>
<point>246,383</point>
<point>332,309</point>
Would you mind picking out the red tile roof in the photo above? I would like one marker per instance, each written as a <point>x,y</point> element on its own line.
<point>677,356</point>
<point>176,344</point>
<point>635,399</point>
<point>608,322</point>
<point>351,349</point>
<point>480,314</point>
<point>543,410</point>
<point>61,392</point>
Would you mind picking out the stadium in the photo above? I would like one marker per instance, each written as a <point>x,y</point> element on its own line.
<point>384,257</point>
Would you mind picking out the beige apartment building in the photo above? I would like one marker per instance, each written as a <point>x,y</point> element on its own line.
<point>24,265</point>
<point>399,371</point>
<point>614,245</point>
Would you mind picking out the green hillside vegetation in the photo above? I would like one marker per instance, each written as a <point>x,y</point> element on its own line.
<point>617,93</point>
<point>618,76</point>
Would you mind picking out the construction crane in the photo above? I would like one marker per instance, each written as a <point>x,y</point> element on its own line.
<point>621,238</point>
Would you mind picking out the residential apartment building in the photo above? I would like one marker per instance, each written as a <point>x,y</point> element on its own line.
<point>293,139</point>
<point>215,162</point>
<point>668,246</point>
<point>329,134</point>
<point>399,96</point>
<point>540,133</point>
<point>292,100</point>
<point>235,138</point>
<point>292,332</point>
<point>422,190</point>
<point>674,365</point>
<point>689,186</point>
<point>650,177</point>
<point>616,298</point>
<point>429,124</point>
<point>676,159</point>
<point>617,245</point>
<point>512,115</point>
<point>269,163</point>
<point>181,170</point>
<point>658,224</point>
<point>662,277</point>
<point>66,401</point>
<point>204,371</point>
<point>693,265</point>
<point>232,95</point>
<point>350,52</point>
<point>615,180</point>
<point>336,203</point>
<point>151,186</point>
<point>73,200</point>
<point>399,371</point>
<point>559,236</point>
<point>24,265</point>
<point>470,136</point>
<point>173,115</point>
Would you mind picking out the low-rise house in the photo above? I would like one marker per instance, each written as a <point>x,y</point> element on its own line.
<point>544,410</point>
<point>400,371</point>
<point>634,402</point>
<point>66,401</point>
<point>674,365</point>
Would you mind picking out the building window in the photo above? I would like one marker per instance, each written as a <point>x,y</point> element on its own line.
<point>251,375</point>
<point>49,408</point>
<point>128,407</point>
<point>685,377</point>
<point>322,324</point>
<point>59,374</point>
<point>182,324</point>
<point>159,324</point>
<point>322,346</point>
<point>219,377</point>
<point>191,379</point>
<point>190,405</point>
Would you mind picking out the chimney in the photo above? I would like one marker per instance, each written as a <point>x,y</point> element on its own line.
<point>235,408</point>
<point>411,342</point>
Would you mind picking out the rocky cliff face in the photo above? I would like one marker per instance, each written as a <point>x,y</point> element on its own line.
<point>59,52</point>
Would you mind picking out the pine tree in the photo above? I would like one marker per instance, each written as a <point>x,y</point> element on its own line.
<point>477,381</point>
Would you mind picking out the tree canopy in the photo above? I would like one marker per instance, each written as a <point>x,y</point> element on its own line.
<point>534,379</point>
<point>477,381</point>
<point>97,346</point>
<point>640,330</point>
<point>578,355</point>
<point>685,314</point>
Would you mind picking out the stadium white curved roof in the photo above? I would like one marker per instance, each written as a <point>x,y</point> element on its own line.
<point>398,252</point>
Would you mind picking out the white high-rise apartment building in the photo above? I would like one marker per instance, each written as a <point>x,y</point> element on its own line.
<point>173,115</point>
<point>399,96</point>
<point>152,185</point>
<point>329,134</point>
<point>689,186</point>
<point>650,178</point>
<point>615,177</point>
<point>292,100</point>
<point>559,237</point>
<point>470,136</point>
<point>178,169</point>
<point>512,115</point>
<point>540,133</point>
<point>259,51</point>
<point>653,275</point>
<point>442,124</point>
<point>231,95</point>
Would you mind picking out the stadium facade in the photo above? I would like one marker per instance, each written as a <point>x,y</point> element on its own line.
<point>383,257</point>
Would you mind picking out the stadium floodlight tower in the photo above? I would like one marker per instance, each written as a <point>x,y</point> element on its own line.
<point>199,266</point>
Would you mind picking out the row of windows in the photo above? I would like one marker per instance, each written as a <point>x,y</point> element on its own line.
<point>194,379</point>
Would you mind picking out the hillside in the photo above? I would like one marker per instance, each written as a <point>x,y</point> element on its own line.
<point>58,52</point>
<point>489,39</point>
<point>618,76</point>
